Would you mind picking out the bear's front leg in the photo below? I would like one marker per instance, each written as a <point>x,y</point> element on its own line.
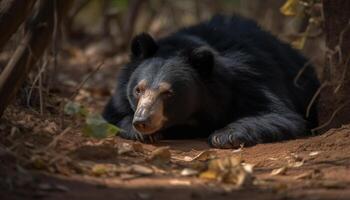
<point>249,131</point>
<point>127,130</point>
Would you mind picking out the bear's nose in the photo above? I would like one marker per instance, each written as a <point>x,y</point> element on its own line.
<point>141,123</point>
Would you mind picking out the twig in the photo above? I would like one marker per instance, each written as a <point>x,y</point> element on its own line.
<point>346,64</point>
<point>301,71</point>
<point>54,141</point>
<point>313,99</point>
<point>85,80</point>
<point>341,39</point>
<point>37,78</point>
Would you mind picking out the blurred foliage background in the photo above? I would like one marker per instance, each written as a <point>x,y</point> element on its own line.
<point>296,22</point>
<point>92,41</point>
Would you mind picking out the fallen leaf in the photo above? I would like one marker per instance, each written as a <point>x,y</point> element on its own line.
<point>102,169</point>
<point>229,170</point>
<point>143,170</point>
<point>72,108</point>
<point>306,175</point>
<point>98,127</point>
<point>299,43</point>
<point>296,164</point>
<point>224,163</point>
<point>314,153</point>
<point>187,158</point>
<point>189,172</point>
<point>279,171</point>
<point>203,156</point>
<point>248,167</point>
<point>290,7</point>
<point>124,148</point>
<point>160,155</point>
<point>137,147</point>
<point>210,174</point>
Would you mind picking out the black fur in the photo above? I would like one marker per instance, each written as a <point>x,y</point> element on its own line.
<point>232,82</point>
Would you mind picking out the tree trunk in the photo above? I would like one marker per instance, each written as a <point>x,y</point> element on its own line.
<point>37,38</point>
<point>335,94</point>
<point>12,14</point>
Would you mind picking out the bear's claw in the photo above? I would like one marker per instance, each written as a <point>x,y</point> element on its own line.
<point>224,140</point>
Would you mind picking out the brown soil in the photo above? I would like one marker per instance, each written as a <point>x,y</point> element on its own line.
<point>323,174</point>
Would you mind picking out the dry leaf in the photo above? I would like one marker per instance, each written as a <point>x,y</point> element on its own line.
<point>102,169</point>
<point>125,148</point>
<point>279,171</point>
<point>248,167</point>
<point>209,174</point>
<point>290,7</point>
<point>314,153</point>
<point>143,170</point>
<point>137,147</point>
<point>203,156</point>
<point>296,164</point>
<point>224,163</point>
<point>306,175</point>
<point>229,170</point>
<point>189,172</point>
<point>299,43</point>
<point>160,155</point>
<point>187,158</point>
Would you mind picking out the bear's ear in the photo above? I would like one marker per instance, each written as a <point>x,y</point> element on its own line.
<point>202,59</point>
<point>143,46</point>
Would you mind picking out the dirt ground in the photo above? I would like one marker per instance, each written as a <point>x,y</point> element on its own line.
<point>324,173</point>
<point>46,156</point>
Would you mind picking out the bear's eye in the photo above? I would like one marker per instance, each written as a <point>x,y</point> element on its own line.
<point>138,91</point>
<point>168,93</point>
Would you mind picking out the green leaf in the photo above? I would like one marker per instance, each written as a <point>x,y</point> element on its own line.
<point>99,128</point>
<point>73,108</point>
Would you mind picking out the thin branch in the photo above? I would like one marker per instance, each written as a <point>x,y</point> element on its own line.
<point>346,64</point>
<point>301,71</point>
<point>313,99</point>
<point>81,85</point>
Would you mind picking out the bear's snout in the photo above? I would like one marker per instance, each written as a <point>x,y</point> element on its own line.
<point>141,122</point>
<point>149,116</point>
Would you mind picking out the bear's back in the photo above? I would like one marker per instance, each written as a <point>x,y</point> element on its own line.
<point>273,57</point>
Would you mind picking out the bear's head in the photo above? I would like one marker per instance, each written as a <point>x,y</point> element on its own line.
<point>165,91</point>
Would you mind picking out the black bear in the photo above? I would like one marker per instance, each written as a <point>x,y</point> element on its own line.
<point>226,79</point>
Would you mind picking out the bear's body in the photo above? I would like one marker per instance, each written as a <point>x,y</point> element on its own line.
<point>229,80</point>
